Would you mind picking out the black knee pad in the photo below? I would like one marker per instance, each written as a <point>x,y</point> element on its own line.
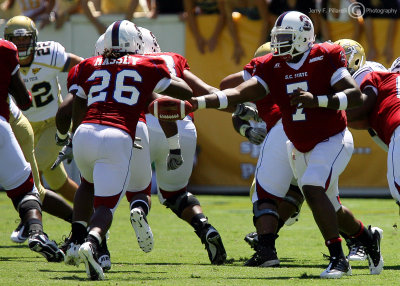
<point>294,201</point>
<point>181,201</point>
<point>257,212</point>
<point>28,205</point>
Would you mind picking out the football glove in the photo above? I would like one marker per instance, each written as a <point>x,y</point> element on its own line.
<point>64,154</point>
<point>247,112</point>
<point>174,159</point>
<point>255,135</point>
<point>60,141</point>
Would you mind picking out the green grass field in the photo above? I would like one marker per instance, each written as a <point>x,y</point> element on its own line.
<point>178,257</point>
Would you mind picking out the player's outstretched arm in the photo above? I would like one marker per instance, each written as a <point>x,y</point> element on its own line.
<point>250,90</point>
<point>19,92</point>
<point>178,89</point>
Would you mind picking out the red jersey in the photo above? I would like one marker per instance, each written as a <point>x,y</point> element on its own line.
<point>317,72</point>
<point>118,91</point>
<point>9,65</point>
<point>176,65</point>
<point>267,109</point>
<point>385,116</point>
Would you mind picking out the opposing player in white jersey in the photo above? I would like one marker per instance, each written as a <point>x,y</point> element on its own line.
<point>52,203</point>
<point>172,150</point>
<point>40,64</point>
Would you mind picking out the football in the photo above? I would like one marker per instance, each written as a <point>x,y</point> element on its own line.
<point>169,109</point>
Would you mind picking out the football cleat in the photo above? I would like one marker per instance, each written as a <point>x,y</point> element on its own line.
<point>337,268</point>
<point>20,234</point>
<point>72,254</point>
<point>104,256</point>
<point>265,256</point>
<point>375,259</point>
<point>88,254</point>
<point>39,242</point>
<point>356,250</point>
<point>142,229</point>
<point>252,239</point>
<point>214,246</point>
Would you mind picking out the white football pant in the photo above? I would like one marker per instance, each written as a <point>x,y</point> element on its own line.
<point>103,155</point>
<point>322,165</point>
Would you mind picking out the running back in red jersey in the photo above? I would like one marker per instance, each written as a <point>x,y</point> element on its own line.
<point>169,109</point>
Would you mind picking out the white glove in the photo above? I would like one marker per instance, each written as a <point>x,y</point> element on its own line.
<point>255,135</point>
<point>246,112</point>
<point>64,154</point>
<point>174,159</point>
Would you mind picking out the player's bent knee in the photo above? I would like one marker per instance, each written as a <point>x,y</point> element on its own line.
<point>265,211</point>
<point>181,201</point>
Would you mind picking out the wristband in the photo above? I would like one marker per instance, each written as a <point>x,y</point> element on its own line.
<point>223,100</point>
<point>201,102</point>
<point>243,129</point>
<point>342,100</point>
<point>62,136</point>
<point>173,142</point>
<point>322,100</point>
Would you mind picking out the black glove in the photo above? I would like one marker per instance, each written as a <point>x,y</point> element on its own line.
<point>246,112</point>
<point>256,135</point>
<point>174,159</point>
<point>62,142</point>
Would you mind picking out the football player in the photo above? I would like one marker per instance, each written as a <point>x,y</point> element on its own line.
<point>172,150</point>
<point>359,68</point>
<point>312,105</point>
<point>52,203</point>
<point>15,172</point>
<point>105,115</point>
<point>274,159</point>
<point>40,64</point>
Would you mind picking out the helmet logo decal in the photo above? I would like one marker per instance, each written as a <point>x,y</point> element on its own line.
<point>306,21</point>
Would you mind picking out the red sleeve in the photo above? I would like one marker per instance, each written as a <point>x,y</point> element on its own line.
<point>368,80</point>
<point>336,56</point>
<point>250,66</point>
<point>161,66</point>
<point>10,55</point>
<point>181,62</point>
<point>71,80</point>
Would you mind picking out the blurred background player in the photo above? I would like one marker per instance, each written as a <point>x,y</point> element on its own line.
<point>40,64</point>
<point>15,172</point>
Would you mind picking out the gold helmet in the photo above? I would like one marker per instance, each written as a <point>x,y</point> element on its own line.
<point>263,50</point>
<point>355,54</point>
<point>22,26</point>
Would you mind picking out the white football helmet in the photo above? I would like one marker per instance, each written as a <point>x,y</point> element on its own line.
<point>395,67</point>
<point>124,36</point>
<point>292,34</point>
<point>99,46</point>
<point>150,41</point>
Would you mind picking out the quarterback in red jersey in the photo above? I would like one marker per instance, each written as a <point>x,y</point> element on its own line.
<point>16,178</point>
<point>312,87</point>
<point>381,112</point>
<point>113,90</point>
